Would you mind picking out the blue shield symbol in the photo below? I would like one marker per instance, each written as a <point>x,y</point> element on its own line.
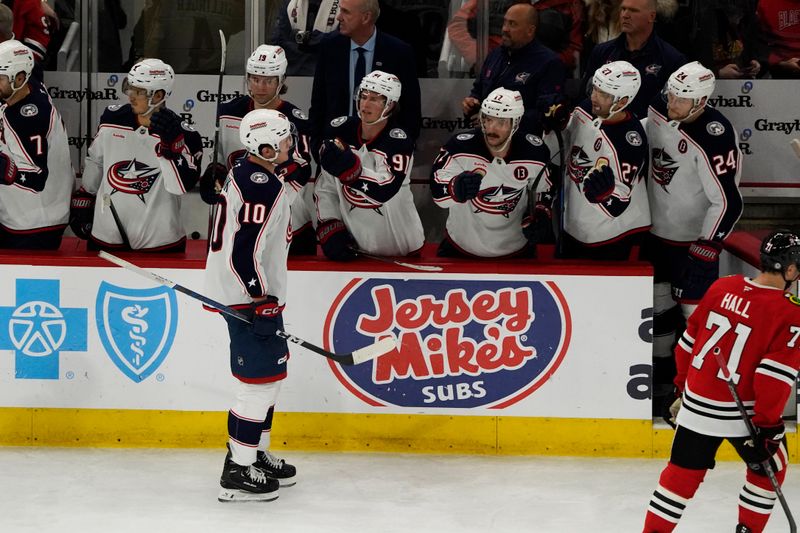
<point>136,326</point>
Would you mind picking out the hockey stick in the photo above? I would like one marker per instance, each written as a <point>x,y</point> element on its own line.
<point>562,201</point>
<point>752,431</point>
<point>108,202</point>
<point>214,159</point>
<point>361,355</point>
<point>424,268</point>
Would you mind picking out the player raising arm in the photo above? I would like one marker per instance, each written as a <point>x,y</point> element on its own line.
<point>755,325</point>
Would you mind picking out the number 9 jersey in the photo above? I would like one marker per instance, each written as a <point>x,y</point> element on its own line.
<point>757,329</point>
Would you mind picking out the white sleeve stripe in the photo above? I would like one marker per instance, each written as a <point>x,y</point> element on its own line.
<point>778,366</point>
<point>687,337</point>
<point>776,375</point>
<point>685,346</point>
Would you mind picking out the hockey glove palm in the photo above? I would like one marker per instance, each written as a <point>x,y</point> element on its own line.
<point>555,118</point>
<point>211,182</point>
<point>599,184</point>
<point>81,214</point>
<point>339,162</point>
<point>267,319</point>
<point>465,186</point>
<point>335,240</point>
<point>167,125</point>
<point>701,270</point>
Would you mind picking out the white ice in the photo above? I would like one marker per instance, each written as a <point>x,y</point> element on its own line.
<point>172,491</point>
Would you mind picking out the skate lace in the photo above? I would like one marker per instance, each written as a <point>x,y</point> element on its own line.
<point>256,475</point>
<point>273,461</point>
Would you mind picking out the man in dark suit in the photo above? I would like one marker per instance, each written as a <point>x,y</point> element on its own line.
<point>356,49</point>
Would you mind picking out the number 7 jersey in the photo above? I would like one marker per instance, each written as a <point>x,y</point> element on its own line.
<point>757,330</point>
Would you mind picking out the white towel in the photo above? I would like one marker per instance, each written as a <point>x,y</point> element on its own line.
<point>326,16</point>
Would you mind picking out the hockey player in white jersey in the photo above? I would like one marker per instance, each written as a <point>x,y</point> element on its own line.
<point>140,163</point>
<point>266,76</point>
<point>606,210</point>
<point>363,193</point>
<point>693,188</point>
<point>34,157</point>
<point>484,176</point>
<point>246,270</point>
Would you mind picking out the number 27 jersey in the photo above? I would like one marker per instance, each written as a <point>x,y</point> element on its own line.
<point>757,330</point>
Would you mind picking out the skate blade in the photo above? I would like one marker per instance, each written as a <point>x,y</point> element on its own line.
<point>288,482</point>
<point>233,495</point>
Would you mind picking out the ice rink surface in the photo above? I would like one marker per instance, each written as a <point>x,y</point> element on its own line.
<point>154,491</point>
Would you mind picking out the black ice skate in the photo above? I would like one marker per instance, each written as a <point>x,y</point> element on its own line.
<point>276,468</point>
<point>245,483</point>
<point>741,528</point>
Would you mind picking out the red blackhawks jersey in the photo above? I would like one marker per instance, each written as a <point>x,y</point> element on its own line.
<point>377,207</point>
<point>757,329</point>
<point>489,225</point>
<point>230,149</point>
<point>34,137</point>
<point>144,188</point>
<point>623,147</point>
<point>250,237</point>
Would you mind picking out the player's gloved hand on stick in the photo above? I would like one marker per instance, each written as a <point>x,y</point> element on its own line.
<point>336,241</point>
<point>538,228</point>
<point>465,186</point>
<point>599,184</point>
<point>8,169</point>
<point>555,118</point>
<point>340,162</point>
<point>211,182</point>
<point>81,213</point>
<point>701,270</point>
<point>671,408</point>
<point>267,317</point>
<point>167,125</point>
<point>768,440</point>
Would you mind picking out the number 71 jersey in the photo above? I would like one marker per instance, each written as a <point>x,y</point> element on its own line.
<point>757,330</point>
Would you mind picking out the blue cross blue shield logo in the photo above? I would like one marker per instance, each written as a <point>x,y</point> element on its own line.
<point>136,327</point>
<point>38,329</point>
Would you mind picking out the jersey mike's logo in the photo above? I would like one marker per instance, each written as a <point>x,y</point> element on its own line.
<point>132,177</point>
<point>578,165</point>
<point>664,167</point>
<point>500,200</point>
<point>461,343</point>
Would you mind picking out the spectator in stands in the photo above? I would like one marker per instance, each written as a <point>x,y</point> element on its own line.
<point>521,64</point>
<point>6,23</point>
<point>488,204</point>
<point>32,25</point>
<point>363,193</point>
<point>638,44</point>
<point>559,27</point>
<point>345,57</point>
<point>300,27</point>
<point>779,35</point>
<point>718,33</point>
<point>601,25</point>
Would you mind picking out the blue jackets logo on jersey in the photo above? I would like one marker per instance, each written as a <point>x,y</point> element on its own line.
<point>461,343</point>
<point>136,327</point>
<point>132,177</point>
<point>664,167</point>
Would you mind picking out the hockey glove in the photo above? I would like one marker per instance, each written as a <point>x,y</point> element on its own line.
<point>539,227</point>
<point>167,125</point>
<point>339,162</point>
<point>768,440</point>
<point>599,185</point>
<point>211,182</point>
<point>8,169</point>
<point>81,214</point>
<point>671,406</point>
<point>335,240</point>
<point>555,118</point>
<point>701,270</point>
<point>267,317</point>
<point>465,186</point>
<point>297,172</point>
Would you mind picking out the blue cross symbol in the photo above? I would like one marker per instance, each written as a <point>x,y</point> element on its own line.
<point>38,329</point>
